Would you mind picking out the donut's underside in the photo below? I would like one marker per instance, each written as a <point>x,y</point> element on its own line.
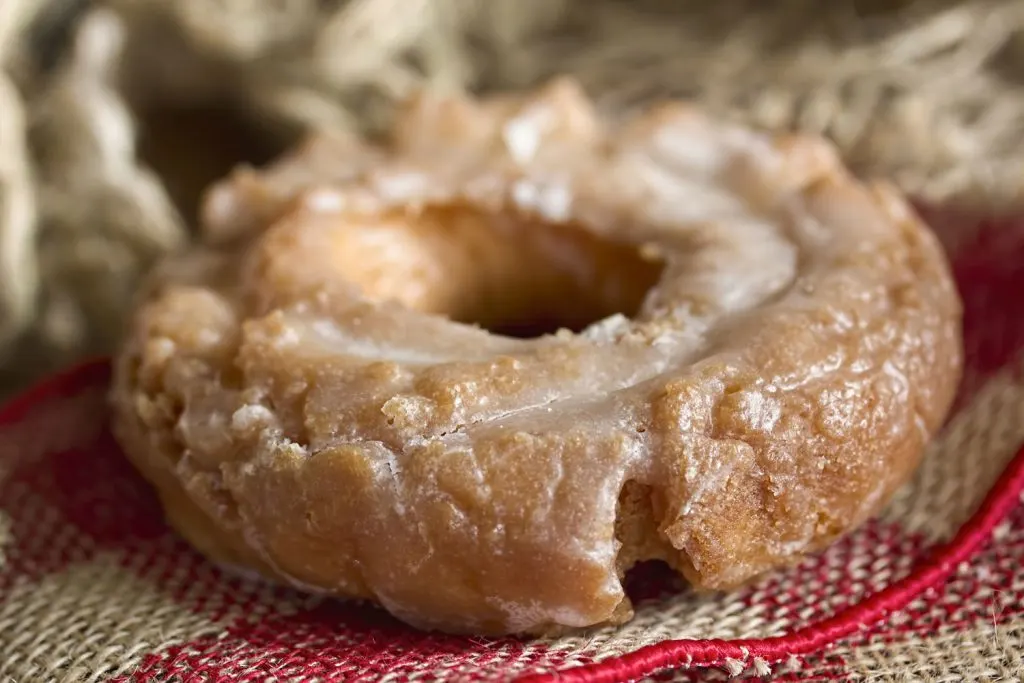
<point>476,375</point>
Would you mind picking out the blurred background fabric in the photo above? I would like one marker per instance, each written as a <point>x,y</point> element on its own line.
<point>115,114</point>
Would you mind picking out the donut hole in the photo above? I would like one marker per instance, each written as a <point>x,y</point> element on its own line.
<point>190,146</point>
<point>511,275</point>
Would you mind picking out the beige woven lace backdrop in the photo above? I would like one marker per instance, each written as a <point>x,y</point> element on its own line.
<point>115,113</point>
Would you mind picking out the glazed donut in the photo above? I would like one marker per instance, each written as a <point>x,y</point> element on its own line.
<point>475,373</point>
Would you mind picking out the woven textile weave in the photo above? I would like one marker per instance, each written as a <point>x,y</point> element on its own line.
<point>94,587</point>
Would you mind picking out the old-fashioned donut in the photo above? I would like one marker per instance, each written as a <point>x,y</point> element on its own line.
<point>747,352</point>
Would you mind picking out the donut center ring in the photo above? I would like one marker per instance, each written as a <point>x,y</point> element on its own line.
<point>511,275</point>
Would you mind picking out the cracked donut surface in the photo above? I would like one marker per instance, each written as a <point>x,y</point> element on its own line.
<point>747,352</point>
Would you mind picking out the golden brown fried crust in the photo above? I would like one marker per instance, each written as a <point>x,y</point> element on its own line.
<point>301,394</point>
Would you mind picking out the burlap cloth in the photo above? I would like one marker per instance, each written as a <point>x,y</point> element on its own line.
<point>100,174</point>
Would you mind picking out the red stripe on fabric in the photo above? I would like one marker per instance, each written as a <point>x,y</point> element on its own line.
<point>67,383</point>
<point>330,642</point>
<point>1000,502</point>
<point>57,515</point>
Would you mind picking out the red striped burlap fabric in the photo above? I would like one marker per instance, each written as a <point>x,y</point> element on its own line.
<point>94,587</point>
